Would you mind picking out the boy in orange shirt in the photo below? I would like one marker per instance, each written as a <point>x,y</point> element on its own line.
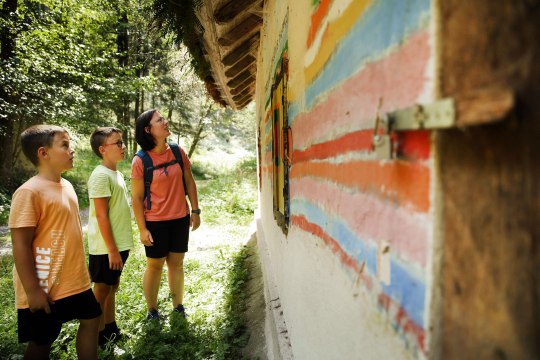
<point>52,284</point>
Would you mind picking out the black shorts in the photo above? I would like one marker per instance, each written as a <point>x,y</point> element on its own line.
<point>169,236</point>
<point>43,328</point>
<point>100,272</point>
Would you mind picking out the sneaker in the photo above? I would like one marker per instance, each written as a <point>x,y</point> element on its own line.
<point>114,333</point>
<point>181,310</point>
<point>153,314</point>
<point>102,339</point>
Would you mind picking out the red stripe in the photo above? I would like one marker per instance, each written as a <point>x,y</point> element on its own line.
<point>403,321</point>
<point>355,141</point>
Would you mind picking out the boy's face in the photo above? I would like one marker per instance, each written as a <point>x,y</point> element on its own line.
<point>114,148</point>
<point>59,156</point>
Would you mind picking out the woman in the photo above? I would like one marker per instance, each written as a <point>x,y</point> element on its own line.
<point>164,222</point>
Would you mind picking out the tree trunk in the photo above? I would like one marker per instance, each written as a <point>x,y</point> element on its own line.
<point>197,137</point>
<point>122,44</point>
<point>7,53</point>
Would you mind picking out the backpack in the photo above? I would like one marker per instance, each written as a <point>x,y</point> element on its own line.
<point>149,167</point>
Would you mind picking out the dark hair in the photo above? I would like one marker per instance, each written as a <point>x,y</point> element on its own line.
<point>38,136</point>
<point>145,140</point>
<point>100,136</point>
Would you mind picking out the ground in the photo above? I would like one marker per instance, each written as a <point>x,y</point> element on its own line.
<point>202,240</point>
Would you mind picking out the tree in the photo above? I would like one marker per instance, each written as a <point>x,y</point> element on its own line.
<point>7,97</point>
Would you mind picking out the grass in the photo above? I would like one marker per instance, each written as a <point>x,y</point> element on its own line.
<point>216,275</point>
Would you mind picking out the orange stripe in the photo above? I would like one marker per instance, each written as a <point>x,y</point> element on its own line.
<point>316,20</point>
<point>356,141</point>
<point>404,183</point>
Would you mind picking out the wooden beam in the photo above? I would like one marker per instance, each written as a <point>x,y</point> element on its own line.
<point>243,76</point>
<point>240,66</point>
<point>246,99</point>
<point>250,82</point>
<point>483,106</point>
<point>243,29</point>
<point>241,51</point>
<point>228,11</point>
<point>242,95</point>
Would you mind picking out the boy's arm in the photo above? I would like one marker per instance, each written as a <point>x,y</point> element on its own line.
<point>193,199</point>
<point>137,197</point>
<point>21,239</point>
<point>102,215</point>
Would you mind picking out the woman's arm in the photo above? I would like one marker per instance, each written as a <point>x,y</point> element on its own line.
<point>137,196</point>
<point>193,199</point>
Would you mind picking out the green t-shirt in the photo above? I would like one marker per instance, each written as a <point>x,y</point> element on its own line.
<point>104,182</point>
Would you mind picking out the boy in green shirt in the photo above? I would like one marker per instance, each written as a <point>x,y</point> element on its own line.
<point>109,226</point>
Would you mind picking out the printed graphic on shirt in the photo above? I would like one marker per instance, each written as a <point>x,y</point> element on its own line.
<point>49,261</point>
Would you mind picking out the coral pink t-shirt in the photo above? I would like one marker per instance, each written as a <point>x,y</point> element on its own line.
<point>167,190</point>
<point>60,262</point>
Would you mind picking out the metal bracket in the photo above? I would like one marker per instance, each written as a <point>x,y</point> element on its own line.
<point>440,114</point>
<point>483,106</point>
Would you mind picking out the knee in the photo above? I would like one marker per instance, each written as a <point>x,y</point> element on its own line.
<point>154,266</point>
<point>175,264</point>
<point>101,291</point>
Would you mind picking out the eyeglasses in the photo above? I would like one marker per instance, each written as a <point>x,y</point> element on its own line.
<point>119,143</point>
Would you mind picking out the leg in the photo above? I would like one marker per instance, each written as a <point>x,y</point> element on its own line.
<point>35,351</point>
<point>87,339</point>
<point>102,292</point>
<point>109,315</point>
<point>175,275</point>
<point>151,281</point>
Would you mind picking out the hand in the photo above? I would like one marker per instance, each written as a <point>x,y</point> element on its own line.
<point>146,238</point>
<point>195,221</point>
<point>38,300</point>
<point>115,261</point>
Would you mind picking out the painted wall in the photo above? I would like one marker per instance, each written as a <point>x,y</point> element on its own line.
<point>354,273</point>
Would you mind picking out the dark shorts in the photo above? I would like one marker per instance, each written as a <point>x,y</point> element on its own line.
<point>100,272</point>
<point>169,236</point>
<point>43,328</point>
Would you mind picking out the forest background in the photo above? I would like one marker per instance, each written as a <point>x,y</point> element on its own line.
<point>88,63</point>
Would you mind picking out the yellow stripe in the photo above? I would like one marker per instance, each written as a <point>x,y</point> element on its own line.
<point>334,33</point>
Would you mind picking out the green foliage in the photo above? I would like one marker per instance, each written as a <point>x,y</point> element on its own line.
<point>179,20</point>
<point>8,316</point>
<point>65,66</point>
<point>5,205</point>
<point>215,286</point>
<point>231,196</point>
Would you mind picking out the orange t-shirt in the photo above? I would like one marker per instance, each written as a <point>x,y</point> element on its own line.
<point>60,261</point>
<point>167,190</point>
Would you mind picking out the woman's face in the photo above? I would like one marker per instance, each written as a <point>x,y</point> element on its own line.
<point>158,127</point>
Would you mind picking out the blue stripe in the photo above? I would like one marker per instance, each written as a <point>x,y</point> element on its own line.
<point>385,24</point>
<point>407,285</point>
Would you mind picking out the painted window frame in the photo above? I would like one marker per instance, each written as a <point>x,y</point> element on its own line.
<point>281,146</point>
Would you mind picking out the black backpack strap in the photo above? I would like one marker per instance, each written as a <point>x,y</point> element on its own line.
<point>178,156</point>
<point>148,172</point>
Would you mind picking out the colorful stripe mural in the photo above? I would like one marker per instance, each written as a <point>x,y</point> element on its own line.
<point>359,52</point>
